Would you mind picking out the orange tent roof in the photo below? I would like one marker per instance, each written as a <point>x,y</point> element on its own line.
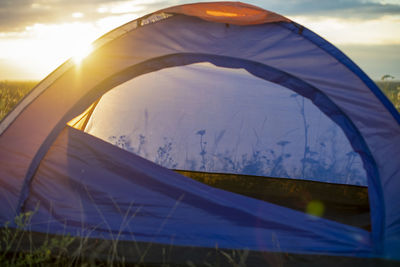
<point>228,12</point>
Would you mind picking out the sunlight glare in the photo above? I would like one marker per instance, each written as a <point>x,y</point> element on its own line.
<point>77,15</point>
<point>43,47</point>
<point>81,52</point>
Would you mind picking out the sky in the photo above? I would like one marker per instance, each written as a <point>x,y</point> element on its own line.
<point>36,36</point>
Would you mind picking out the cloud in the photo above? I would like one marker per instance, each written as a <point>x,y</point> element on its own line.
<point>375,60</point>
<point>38,35</point>
<point>16,15</point>
<point>350,9</point>
<point>341,31</point>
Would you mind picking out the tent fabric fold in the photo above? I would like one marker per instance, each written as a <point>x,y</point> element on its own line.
<point>130,197</point>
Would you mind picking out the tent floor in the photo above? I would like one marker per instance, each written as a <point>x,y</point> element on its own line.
<point>346,204</point>
<point>97,252</point>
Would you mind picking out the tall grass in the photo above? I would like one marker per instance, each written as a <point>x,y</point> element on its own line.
<point>11,92</point>
<point>19,246</point>
<point>391,88</point>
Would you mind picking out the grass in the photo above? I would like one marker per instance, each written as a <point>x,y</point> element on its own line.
<point>19,246</point>
<point>11,92</point>
<point>391,89</point>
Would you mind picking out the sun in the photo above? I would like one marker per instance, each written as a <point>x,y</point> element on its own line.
<point>36,51</point>
<point>81,52</point>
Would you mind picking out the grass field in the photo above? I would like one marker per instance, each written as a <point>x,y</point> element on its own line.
<point>392,91</point>
<point>11,92</point>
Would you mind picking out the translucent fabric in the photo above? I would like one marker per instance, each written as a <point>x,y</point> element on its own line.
<point>207,118</point>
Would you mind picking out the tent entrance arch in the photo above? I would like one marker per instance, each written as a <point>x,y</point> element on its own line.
<point>258,70</point>
<point>170,125</point>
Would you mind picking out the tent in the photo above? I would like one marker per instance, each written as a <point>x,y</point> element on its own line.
<point>209,126</point>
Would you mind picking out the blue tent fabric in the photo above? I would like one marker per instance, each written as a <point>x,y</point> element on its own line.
<point>380,193</point>
<point>131,198</point>
<point>329,48</point>
<point>87,186</point>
